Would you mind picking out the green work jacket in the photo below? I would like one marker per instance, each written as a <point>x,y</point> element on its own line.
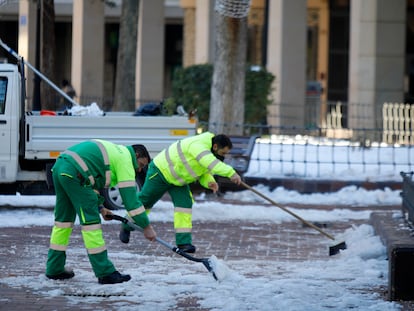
<point>105,164</point>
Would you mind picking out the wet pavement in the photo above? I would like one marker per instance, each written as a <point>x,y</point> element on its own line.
<point>23,252</point>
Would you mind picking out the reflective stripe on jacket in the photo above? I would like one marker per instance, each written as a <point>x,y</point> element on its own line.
<point>91,160</point>
<point>191,159</point>
<point>104,164</point>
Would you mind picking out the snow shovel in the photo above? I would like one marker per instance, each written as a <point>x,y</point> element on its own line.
<point>205,261</point>
<point>333,250</point>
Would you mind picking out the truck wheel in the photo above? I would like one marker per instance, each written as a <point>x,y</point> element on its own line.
<point>112,196</point>
<point>113,200</point>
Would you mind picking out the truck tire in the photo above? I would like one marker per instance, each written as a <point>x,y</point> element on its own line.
<point>113,200</point>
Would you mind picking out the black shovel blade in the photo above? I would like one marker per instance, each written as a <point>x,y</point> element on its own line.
<point>335,249</point>
<point>207,264</point>
<point>204,261</point>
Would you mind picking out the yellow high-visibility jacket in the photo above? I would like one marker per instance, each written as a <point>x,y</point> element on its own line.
<point>191,159</point>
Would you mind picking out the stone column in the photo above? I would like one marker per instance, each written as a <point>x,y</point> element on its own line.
<point>27,41</point>
<point>376,58</point>
<point>188,32</point>
<point>286,59</point>
<point>256,19</point>
<point>204,27</point>
<point>150,52</point>
<point>88,28</point>
<point>321,9</point>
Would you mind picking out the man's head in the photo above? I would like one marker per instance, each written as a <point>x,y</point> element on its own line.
<point>221,146</point>
<point>142,156</point>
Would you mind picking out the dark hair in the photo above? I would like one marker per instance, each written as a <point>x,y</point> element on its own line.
<point>142,151</point>
<point>222,141</point>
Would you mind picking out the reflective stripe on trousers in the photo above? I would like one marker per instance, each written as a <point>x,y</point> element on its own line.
<point>183,220</point>
<point>59,239</point>
<point>93,238</point>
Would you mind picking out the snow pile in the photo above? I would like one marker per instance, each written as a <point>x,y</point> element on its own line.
<point>344,281</point>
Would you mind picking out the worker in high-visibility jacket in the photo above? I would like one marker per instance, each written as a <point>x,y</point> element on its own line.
<point>173,169</point>
<point>78,174</point>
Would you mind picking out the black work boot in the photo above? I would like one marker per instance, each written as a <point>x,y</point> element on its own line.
<point>188,248</point>
<point>66,274</point>
<point>124,235</point>
<point>114,277</point>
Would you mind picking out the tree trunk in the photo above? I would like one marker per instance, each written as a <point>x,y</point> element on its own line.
<point>228,85</point>
<point>126,60</point>
<point>48,95</point>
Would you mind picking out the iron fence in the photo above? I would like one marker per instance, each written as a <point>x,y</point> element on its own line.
<point>324,158</point>
<point>311,153</point>
<point>325,146</point>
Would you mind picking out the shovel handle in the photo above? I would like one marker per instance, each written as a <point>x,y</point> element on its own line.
<point>159,240</point>
<point>116,217</point>
<point>175,249</point>
<point>135,226</point>
<point>288,211</point>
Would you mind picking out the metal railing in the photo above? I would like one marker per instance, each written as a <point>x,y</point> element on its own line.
<point>324,158</point>
<point>398,123</point>
<point>311,153</point>
<point>326,147</point>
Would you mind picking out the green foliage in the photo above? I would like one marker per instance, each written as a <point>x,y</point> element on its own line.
<point>191,88</point>
<point>258,89</point>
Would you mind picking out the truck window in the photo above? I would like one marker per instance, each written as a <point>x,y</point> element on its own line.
<point>3,89</point>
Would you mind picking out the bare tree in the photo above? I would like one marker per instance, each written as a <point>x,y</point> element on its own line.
<point>228,84</point>
<point>126,60</point>
<point>48,50</point>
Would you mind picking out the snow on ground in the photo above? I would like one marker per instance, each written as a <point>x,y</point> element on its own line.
<point>344,281</point>
<point>351,195</point>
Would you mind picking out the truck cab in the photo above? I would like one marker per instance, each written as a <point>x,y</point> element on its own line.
<point>31,142</point>
<point>10,106</point>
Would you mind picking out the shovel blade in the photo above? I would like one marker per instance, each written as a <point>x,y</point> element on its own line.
<point>206,263</point>
<point>335,249</point>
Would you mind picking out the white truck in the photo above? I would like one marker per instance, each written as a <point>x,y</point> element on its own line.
<point>30,142</point>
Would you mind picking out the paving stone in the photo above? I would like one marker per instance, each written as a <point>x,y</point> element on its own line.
<point>23,251</point>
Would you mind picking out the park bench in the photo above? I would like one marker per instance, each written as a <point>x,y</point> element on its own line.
<point>239,158</point>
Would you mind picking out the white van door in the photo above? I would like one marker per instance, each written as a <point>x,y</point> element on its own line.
<point>8,124</point>
<point>4,123</point>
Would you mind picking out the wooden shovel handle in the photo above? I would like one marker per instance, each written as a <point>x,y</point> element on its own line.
<point>287,211</point>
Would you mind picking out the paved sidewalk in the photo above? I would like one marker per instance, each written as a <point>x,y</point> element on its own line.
<point>23,252</point>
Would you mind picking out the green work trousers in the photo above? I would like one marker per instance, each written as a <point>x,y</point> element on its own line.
<point>75,196</point>
<point>155,187</point>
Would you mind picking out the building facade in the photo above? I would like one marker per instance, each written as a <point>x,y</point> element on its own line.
<point>359,51</point>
